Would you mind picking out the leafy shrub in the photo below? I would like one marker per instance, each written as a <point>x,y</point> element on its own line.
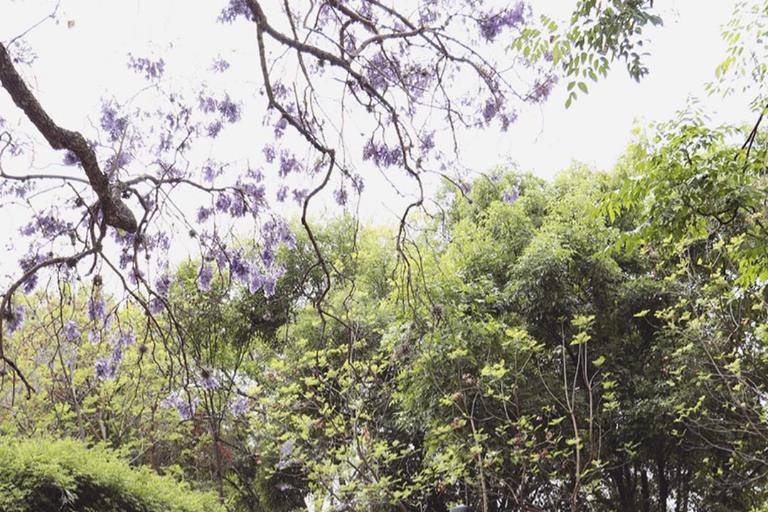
<point>64,475</point>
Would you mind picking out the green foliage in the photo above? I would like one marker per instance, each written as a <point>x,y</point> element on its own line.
<point>41,474</point>
<point>599,33</point>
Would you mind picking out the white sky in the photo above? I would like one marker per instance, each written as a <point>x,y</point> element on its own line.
<point>77,66</point>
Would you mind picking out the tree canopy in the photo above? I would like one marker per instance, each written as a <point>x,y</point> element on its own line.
<point>593,342</point>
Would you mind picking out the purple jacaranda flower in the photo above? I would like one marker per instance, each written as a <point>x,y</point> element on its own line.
<point>219,65</point>
<point>207,380</point>
<point>71,331</point>
<point>223,202</point>
<point>267,256</point>
<point>256,173</point>
<point>281,193</point>
<point>276,231</point>
<point>269,153</point>
<point>542,89</point>
<point>238,207</point>
<point>29,283</point>
<point>234,10</point>
<point>124,339</point>
<point>288,164</point>
<point>228,109</point>
<point>70,158</point>
<point>207,104</point>
<point>203,213</point>
<point>239,268</point>
<point>104,370</point>
<point>163,284</point>
<point>135,276</point>
<point>490,109</point>
<point>209,173</point>
<point>112,123</point>
<point>96,308</point>
<point>357,183</point>
<point>280,127</point>
<point>156,306</point>
<point>507,119</point>
<point>510,196</point>
<point>382,155</point>
<point>239,406</point>
<point>266,280</point>
<point>151,69</point>
<point>14,319</point>
<point>492,25</point>
<point>94,337</point>
<point>427,142</point>
<point>214,128</point>
<point>270,286</point>
<point>185,408</point>
<point>299,195</point>
<point>45,225</point>
<point>205,277</point>
<point>340,196</point>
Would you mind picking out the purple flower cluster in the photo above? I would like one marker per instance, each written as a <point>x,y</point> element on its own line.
<point>241,269</point>
<point>70,158</point>
<point>163,284</point>
<point>280,127</point>
<point>510,196</point>
<point>220,65</point>
<point>495,108</point>
<point>152,69</point>
<point>103,369</point>
<point>185,408</point>
<point>269,153</point>
<point>71,331</point>
<point>265,280</point>
<point>156,306</point>
<point>112,123</point>
<point>239,406</point>
<point>203,214</point>
<point>340,195</point>
<point>277,232</point>
<point>214,128</point>
<point>542,89</point>
<point>119,161</point>
<point>205,277</point>
<point>26,264</point>
<point>14,319</point>
<point>106,368</point>
<point>234,10</point>
<point>493,24</point>
<point>381,71</point>
<point>382,155</point>
<point>46,225</point>
<point>96,308</point>
<point>288,164</point>
<point>357,183</point>
<point>227,109</point>
<point>207,380</point>
<point>299,195</point>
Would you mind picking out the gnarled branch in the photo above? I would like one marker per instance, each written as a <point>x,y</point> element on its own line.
<point>116,212</point>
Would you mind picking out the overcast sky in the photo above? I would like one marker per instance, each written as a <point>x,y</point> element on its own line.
<point>82,61</point>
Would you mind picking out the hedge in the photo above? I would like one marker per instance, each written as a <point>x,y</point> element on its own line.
<point>65,475</point>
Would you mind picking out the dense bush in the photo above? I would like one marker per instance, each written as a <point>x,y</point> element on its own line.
<point>65,475</point>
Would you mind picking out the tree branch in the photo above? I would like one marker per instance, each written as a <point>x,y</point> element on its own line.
<point>116,212</point>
